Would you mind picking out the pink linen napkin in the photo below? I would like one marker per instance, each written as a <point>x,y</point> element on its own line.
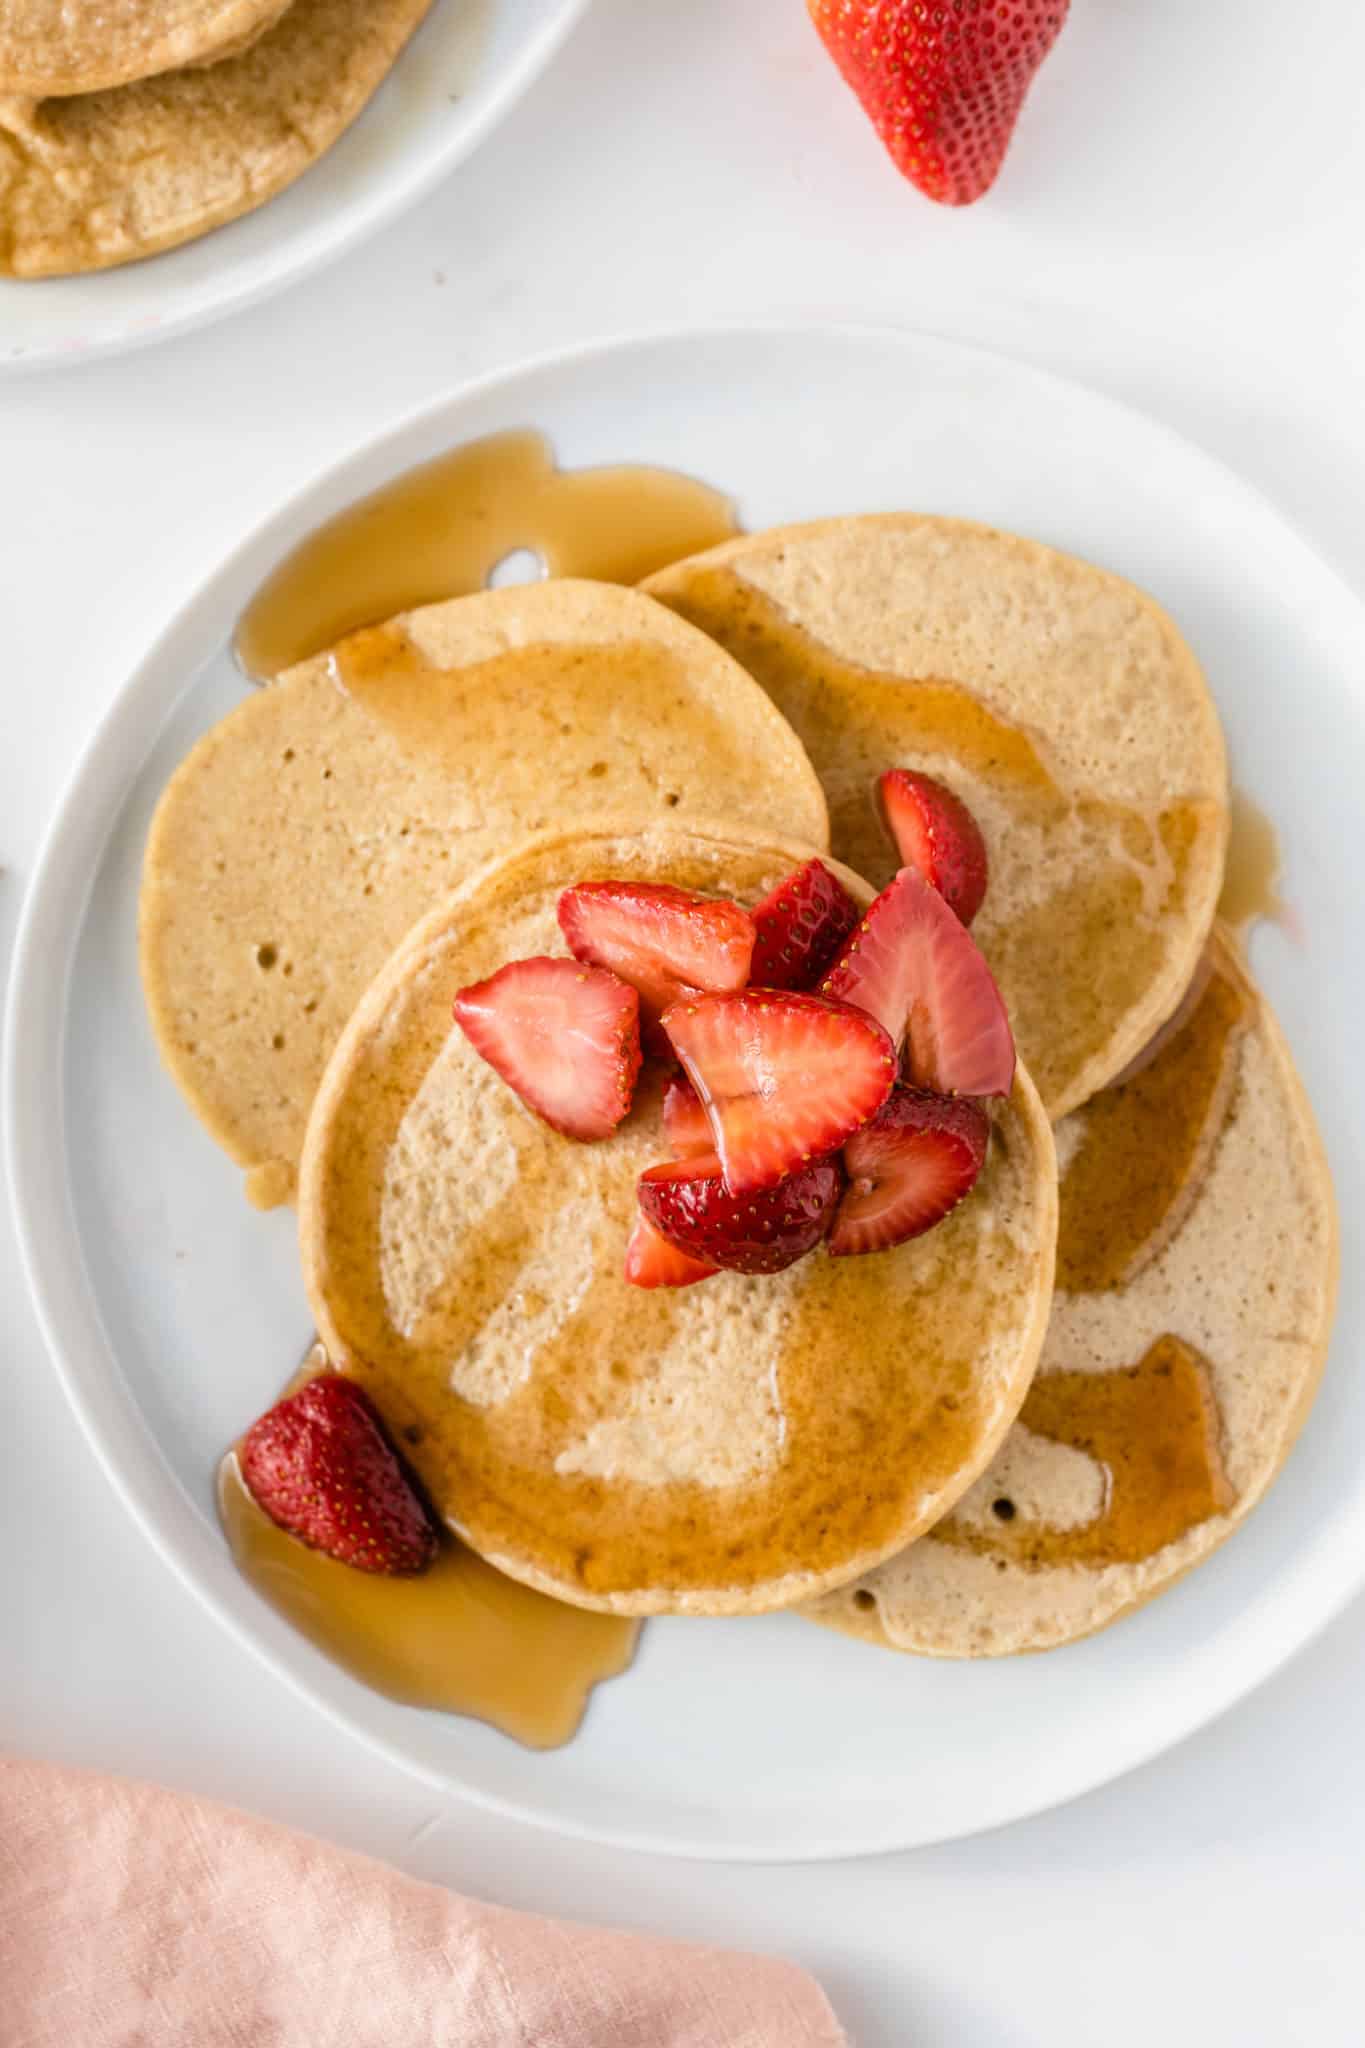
<point>131,1917</point>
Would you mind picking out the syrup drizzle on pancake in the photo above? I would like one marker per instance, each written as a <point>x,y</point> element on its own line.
<point>1153,1427</point>
<point>427,709</point>
<point>623,1444</point>
<point>1125,869</point>
<point>1124,1195</point>
<point>529,1464</point>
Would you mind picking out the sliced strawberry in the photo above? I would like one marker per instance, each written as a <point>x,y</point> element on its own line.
<point>565,1036</point>
<point>800,927</point>
<point>686,1124</point>
<point>908,1167</point>
<point>784,1078</point>
<point>915,968</point>
<point>664,941</point>
<point>936,833</point>
<point>688,1202</point>
<point>651,1261</point>
<point>321,1466</point>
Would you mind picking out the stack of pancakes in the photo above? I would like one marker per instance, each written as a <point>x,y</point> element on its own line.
<point>930,1446</point>
<point>126,129</point>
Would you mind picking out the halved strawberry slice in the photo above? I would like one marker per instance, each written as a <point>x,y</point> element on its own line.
<point>565,1036</point>
<point>651,1261</point>
<point>686,1124</point>
<point>908,1168</point>
<point>688,1202</point>
<point>663,941</point>
<point>936,833</point>
<point>320,1465</point>
<point>915,968</point>
<point>783,1078</point>
<point>800,927</point>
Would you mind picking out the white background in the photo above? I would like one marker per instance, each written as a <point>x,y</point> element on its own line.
<point>1181,223</point>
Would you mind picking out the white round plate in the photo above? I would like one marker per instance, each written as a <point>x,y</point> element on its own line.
<point>469,62</point>
<point>174,1312</point>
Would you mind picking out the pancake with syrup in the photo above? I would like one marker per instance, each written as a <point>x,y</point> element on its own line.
<point>1196,1278</point>
<point>725,1448</point>
<point>1057,700</point>
<point>303,836</point>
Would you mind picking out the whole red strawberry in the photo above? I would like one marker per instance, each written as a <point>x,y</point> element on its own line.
<point>319,1464</point>
<point>941,80</point>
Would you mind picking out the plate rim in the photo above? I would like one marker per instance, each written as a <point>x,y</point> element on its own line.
<point>32,1083</point>
<point>521,73</point>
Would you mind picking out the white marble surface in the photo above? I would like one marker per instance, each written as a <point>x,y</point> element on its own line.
<point>1182,224</point>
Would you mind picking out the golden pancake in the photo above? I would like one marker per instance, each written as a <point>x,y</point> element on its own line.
<point>725,1448</point>
<point>305,834</point>
<point>106,177</point>
<point>1057,700</point>
<point>76,46</point>
<point>1196,1279</point>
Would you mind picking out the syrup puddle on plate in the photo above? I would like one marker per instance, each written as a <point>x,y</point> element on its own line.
<point>459,1637</point>
<point>1252,876</point>
<point>445,529</point>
